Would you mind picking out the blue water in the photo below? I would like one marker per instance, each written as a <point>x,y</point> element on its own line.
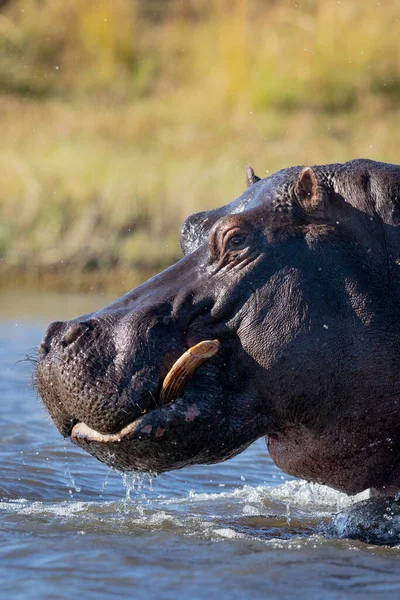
<point>71,528</point>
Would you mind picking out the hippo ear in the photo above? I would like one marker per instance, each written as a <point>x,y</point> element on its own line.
<point>251,177</point>
<point>308,191</point>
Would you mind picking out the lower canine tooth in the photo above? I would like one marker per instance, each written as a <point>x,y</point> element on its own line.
<point>184,368</point>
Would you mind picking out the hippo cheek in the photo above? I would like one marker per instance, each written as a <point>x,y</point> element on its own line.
<point>168,437</point>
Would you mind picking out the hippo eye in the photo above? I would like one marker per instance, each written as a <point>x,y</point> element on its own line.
<point>236,241</point>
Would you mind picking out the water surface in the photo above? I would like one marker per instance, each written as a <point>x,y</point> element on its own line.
<point>70,527</point>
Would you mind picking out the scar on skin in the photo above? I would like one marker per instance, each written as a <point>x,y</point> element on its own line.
<point>160,432</point>
<point>147,429</point>
<point>191,413</point>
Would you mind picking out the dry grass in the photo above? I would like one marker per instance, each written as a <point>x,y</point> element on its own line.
<point>116,123</point>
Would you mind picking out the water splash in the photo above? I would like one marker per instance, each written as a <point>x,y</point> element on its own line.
<point>288,514</point>
<point>137,486</point>
<point>104,484</point>
<point>68,474</point>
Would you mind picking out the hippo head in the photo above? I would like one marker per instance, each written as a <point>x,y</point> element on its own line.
<point>272,324</point>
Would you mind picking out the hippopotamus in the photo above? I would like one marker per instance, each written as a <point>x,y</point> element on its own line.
<point>281,320</point>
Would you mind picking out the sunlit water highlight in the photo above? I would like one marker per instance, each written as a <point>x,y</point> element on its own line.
<point>70,527</point>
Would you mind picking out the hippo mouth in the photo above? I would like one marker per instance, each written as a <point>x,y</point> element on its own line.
<point>171,390</point>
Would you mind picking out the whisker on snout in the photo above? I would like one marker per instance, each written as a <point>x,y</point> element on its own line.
<point>32,357</point>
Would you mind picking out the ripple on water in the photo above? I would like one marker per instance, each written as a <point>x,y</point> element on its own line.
<point>258,512</point>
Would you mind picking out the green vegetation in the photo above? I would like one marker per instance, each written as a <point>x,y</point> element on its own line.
<point>121,117</point>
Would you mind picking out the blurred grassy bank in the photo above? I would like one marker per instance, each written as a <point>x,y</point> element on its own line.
<point>120,117</point>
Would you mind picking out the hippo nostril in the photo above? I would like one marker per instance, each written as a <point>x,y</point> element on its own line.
<point>74,333</point>
<point>51,331</point>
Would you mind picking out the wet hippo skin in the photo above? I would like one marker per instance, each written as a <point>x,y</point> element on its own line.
<point>298,281</point>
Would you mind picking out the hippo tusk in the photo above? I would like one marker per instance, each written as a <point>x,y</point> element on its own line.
<point>182,370</point>
<point>172,387</point>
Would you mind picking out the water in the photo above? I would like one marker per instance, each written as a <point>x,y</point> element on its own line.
<point>70,527</point>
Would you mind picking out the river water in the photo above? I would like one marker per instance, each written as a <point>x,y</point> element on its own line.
<point>70,527</point>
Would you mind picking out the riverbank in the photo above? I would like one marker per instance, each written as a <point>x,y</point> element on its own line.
<point>112,134</point>
<point>89,195</point>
